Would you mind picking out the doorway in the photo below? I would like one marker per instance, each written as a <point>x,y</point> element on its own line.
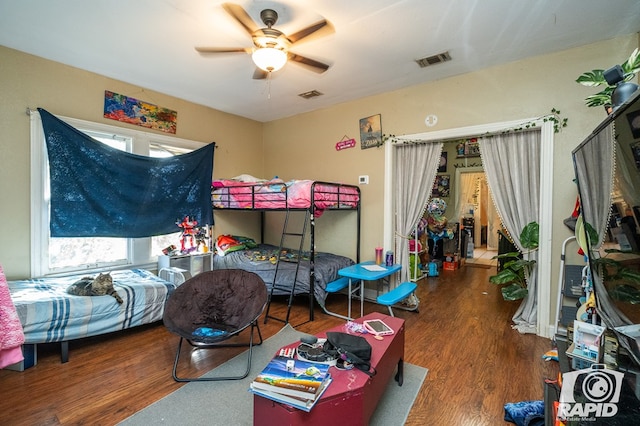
<point>475,207</point>
<point>541,301</point>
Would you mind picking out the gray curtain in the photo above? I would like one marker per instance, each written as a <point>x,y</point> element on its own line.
<point>512,165</point>
<point>602,170</point>
<point>627,178</point>
<point>594,171</point>
<point>415,167</point>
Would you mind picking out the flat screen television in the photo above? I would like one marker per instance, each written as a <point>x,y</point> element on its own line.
<point>607,169</point>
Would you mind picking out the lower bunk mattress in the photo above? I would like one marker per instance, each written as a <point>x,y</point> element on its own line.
<point>49,314</point>
<point>261,260</point>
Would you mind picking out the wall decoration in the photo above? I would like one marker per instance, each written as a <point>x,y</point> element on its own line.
<point>441,186</point>
<point>370,132</point>
<point>133,111</point>
<point>442,167</point>
<point>345,143</point>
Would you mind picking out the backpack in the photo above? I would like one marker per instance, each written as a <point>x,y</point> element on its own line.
<point>353,349</point>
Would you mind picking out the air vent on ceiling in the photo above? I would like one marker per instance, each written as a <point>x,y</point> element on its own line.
<point>435,59</point>
<point>310,94</point>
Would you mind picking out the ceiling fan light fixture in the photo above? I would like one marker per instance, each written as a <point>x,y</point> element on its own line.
<point>269,59</point>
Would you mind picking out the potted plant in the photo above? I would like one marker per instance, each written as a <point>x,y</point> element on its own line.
<point>517,266</point>
<point>596,78</point>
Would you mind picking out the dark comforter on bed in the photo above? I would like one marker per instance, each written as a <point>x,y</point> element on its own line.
<point>260,260</point>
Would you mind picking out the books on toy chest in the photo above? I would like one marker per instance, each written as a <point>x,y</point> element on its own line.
<point>292,381</point>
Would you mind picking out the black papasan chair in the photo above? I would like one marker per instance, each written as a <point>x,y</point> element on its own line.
<point>212,307</point>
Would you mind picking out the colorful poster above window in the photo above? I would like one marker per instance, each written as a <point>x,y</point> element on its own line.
<point>370,132</point>
<point>133,111</point>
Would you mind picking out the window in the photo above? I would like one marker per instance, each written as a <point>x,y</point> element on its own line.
<point>60,255</point>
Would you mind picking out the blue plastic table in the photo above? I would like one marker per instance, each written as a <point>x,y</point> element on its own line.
<point>361,273</point>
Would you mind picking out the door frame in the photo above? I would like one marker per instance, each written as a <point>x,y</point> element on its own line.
<point>544,326</point>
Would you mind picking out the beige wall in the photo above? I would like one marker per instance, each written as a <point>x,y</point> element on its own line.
<point>304,146</point>
<point>29,81</point>
<point>525,89</point>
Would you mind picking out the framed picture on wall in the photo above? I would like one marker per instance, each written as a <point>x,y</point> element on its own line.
<point>370,132</point>
<point>442,167</point>
<point>441,186</point>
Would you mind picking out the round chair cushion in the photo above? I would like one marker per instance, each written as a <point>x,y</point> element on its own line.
<point>215,305</point>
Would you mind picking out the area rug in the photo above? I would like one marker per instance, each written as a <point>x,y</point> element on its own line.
<point>230,402</point>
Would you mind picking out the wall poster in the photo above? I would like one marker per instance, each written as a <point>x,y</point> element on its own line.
<point>133,111</point>
<point>441,186</point>
<point>370,132</point>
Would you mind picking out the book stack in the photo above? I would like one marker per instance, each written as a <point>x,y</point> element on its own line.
<point>294,382</point>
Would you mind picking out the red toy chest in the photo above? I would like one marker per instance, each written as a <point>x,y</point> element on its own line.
<point>353,396</point>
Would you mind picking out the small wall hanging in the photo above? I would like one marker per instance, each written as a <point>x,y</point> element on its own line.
<point>133,111</point>
<point>345,142</point>
<point>370,132</point>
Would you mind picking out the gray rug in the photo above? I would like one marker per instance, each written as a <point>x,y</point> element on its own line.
<point>230,402</point>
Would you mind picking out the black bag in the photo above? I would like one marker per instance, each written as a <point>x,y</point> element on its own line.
<point>353,349</point>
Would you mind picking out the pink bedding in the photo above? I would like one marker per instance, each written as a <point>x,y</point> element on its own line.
<point>277,194</point>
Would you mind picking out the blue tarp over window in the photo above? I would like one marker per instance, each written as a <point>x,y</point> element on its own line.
<point>99,191</point>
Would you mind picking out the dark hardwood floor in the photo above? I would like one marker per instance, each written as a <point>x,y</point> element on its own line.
<point>462,334</point>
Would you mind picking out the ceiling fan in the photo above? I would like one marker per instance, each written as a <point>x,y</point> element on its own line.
<point>271,47</point>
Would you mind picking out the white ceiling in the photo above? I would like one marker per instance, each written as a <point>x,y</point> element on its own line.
<point>150,43</point>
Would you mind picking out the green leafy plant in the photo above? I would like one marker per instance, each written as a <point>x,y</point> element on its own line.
<point>596,78</point>
<point>623,282</point>
<point>518,266</point>
<point>558,121</point>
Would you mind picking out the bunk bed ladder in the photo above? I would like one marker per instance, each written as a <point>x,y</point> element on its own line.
<point>296,259</point>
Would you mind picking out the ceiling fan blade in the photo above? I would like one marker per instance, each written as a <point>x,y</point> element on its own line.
<point>313,65</point>
<point>318,29</point>
<point>260,74</point>
<point>241,16</point>
<point>223,49</point>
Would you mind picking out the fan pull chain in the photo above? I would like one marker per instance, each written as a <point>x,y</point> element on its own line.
<point>269,86</point>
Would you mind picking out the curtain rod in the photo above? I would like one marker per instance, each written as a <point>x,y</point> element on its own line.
<point>30,111</point>
<point>398,140</point>
<point>530,124</point>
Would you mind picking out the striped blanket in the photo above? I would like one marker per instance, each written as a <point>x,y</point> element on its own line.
<point>49,314</point>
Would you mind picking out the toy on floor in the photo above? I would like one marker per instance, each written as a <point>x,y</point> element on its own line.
<point>551,355</point>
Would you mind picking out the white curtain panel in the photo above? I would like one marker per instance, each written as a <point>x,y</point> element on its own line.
<point>416,165</point>
<point>467,186</point>
<point>512,165</point>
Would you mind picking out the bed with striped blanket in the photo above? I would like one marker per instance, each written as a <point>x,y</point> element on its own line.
<point>49,314</point>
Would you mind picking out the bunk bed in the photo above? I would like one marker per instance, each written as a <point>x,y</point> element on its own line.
<point>309,272</point>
